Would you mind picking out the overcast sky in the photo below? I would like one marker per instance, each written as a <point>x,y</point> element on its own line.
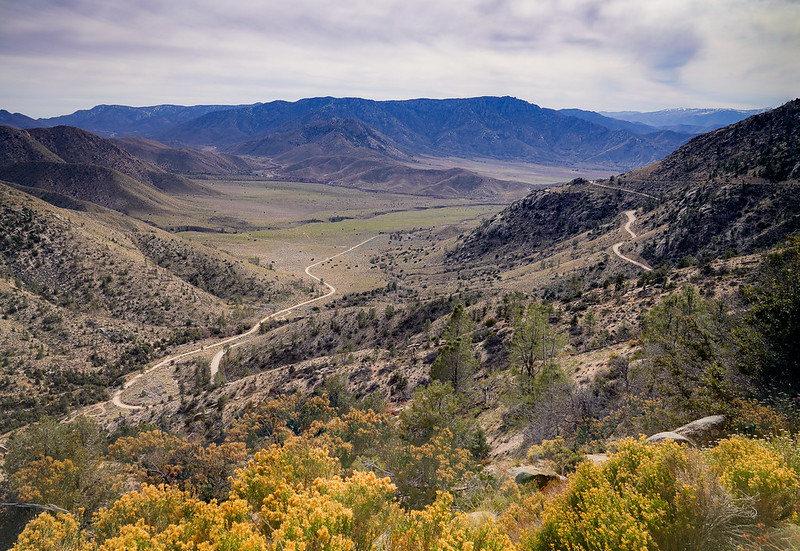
<point>60,56</point>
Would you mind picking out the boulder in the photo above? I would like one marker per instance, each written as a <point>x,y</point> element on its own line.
<point>530,473</point>
<point>704,431</point>
<point>669,435</point>
<point>597,458</point>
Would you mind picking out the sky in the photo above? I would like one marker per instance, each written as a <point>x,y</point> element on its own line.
<point>58,56</point>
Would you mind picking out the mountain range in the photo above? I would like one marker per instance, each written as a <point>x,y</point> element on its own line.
<point>374,145</point>
<point>692,121</point>
<point>505,128</point>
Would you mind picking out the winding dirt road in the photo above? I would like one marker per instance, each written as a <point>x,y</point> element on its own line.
<point>214,367</point>
<point>631,214</point>
<point>615,188</point>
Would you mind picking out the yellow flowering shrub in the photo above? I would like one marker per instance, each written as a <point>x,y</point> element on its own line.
<point>47,480</point>
<point>62,483</point>
<point>596,515</point>
<point>370,500</point>
<point>277,419</point>
<point>522,514</point>
<point>354,434</point>
<point>276,473</point>
<point>156,506</point>
<point>437,527</point>
<point>302,503</point>
<point>638,500</point>
<point>749,468</point>
<point>753,418</point>
<point>165,517</point>
<point>157,518</point>
<point>130,449</point>
<point>437,465</point>
<point>47,532</point>
<point>163,458</point>
<point>312,521</point>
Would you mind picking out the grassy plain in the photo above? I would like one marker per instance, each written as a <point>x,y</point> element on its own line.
<point>245,204</point>
<point>286,226</point>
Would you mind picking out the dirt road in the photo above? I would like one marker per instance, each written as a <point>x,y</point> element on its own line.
<point>237,340</point>
<point>631,214</point>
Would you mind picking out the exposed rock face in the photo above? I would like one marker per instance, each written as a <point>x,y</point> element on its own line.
<point>526,474</point>
<point>669,435</point>
<point>704,431</point>
<point>697,433</point>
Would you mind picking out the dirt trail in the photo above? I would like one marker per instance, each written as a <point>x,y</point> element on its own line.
<point>615,188</point>
<point>631,214</point>
<point>215,361</point>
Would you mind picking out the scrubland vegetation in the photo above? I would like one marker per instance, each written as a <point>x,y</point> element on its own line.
<point>330,471</point>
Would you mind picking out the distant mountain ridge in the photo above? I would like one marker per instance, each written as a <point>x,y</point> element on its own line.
<point>502,128</point>
<point>691,121</point>
<point>492,127</point>
<point>111,121</point>
<point>18,120</point>
<point>378,145</point>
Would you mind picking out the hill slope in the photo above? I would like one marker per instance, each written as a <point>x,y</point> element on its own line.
<point>349,153</point>
<point>78,146</point>
<point>76,164</point>
<point>182,160</point>
<point>89,296</point>
<point>732,190</point>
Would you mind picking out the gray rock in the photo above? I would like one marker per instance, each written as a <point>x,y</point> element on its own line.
<point>597,458</point>
<point>704,431</point>
<point>669,435</point>
<point>529,473</point>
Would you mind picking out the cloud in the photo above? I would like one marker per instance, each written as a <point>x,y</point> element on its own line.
<point>57,56</point>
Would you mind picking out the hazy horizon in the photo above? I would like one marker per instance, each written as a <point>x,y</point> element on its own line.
<point>60,56</point>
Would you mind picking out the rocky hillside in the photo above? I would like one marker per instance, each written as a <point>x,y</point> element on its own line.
<point>76,146</point>
<point>86,297</point>
<point>760,149</point>
<point>733,190</point>
<point>541,219</point>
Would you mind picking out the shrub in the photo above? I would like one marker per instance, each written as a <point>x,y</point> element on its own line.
<point>644,497</point>
<point>164,458</point>
<point>271,478</point>
<point>749,468</point>
<point>751,418</point>
<point>47,532</point>
<point>557,454</point>
<point>438,527</point>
